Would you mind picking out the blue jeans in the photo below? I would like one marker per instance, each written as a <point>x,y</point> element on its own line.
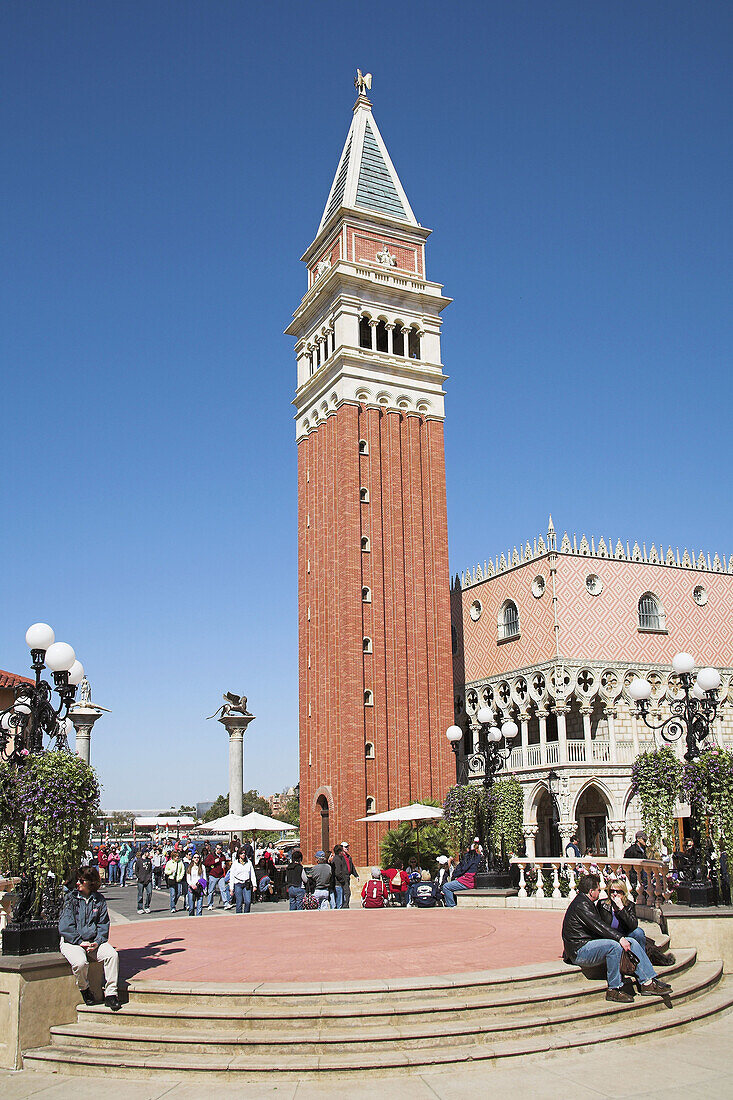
<point>450,889</point>
<point>146,889</point>
<point>337,897</point>
<point>223,891</point>
<point>175,892</point>
<point>610,951</point>
<point>243,896</point>
<point>296,895</point>
<point>123,873</point>
<point>196,900</point>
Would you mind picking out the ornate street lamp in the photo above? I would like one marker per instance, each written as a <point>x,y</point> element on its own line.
<point>32,725</point>
<point>494,749</point>
<point>691,717</point>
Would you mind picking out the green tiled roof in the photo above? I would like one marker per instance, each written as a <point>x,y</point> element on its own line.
<point>339,186</point>
<point>375,189</point>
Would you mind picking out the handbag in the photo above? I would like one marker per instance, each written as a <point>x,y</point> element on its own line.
<point>628,963</point>
<point>310,902</point>
<point>396,881</point>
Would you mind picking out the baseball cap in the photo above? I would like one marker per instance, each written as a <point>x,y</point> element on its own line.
<point>641,835</point>
<point>320,853</point>
<point>344,843</point>
<point>442,859</point>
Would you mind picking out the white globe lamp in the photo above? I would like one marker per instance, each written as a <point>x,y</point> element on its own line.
<point>494,733</point>
<point>454,734</point>
<point>709,679</point>
<point>60,657</point>
<point>485,716</point>
<point>683,663</point>
<point>76,673</point>
<point>39,636</point>
<point>510,730</point>
<point>640,689</point>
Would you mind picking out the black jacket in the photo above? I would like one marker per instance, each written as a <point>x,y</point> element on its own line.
<point>635,851</point>
<point>627,921</point>
<point>294,874</point>
<point>582,924</point>
<point>143,870</point>
<point>340,869</point>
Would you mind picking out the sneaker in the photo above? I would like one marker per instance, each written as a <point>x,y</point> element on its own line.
<point>140,910</point>
<point>620,996</point>
<point>655,988</point>
<point>113,1003</point>
<point>88,996</point>
<point>147,910</point>
<point>209,906</point>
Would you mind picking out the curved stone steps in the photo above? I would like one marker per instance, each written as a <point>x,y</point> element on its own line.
<point>230,1041</point>
<point>618,1026</point>
<point>575,989</point>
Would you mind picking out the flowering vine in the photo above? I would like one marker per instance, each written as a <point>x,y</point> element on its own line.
<point>656,778</point>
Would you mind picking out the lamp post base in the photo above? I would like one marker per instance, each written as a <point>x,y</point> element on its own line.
<point>697,895</point>
<point>30,938</point>
<point>493,880</point>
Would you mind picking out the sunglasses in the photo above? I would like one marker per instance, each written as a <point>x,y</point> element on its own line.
<point>619,892</point>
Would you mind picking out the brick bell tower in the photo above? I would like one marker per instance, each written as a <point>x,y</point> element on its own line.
<point>376,693</point>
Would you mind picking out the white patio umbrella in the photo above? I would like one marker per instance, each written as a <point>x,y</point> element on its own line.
<point>248,823</point>
<point>415,812</point>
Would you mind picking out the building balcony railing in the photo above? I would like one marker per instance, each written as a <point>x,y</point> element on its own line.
<point>596,751</point>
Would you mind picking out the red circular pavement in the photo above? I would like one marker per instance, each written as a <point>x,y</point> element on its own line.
<point>339,945</point>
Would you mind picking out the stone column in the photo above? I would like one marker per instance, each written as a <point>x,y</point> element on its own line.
<point>562,734</point>
<point>524,726</point>
<point>585,711</point>
<point>542,719</point>
<point>390,341</point>
<point>530,840</point>
<point>617,829</point>
<point>235,725</point>
<point>567,830</point>
<point>611,715</point>
<point>82,719</point>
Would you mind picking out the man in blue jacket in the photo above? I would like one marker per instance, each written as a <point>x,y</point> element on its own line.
<point>84,930</point>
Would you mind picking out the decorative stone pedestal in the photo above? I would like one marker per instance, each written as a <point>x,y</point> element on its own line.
<point>236,725</point>
<point>36,993</point>
<point>83,716</point>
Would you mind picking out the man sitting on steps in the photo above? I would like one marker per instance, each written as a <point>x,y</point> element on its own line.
<point>588,940</point>
<point>84,928</point>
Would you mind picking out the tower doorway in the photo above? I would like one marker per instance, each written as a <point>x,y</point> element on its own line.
<point>322,804</point>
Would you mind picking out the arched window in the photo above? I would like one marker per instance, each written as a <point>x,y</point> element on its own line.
<point>370,805</point>
<point>363,447</point>
<point>365,333</point>
<point>369,750</point>
<point>398,340</point>
<point>413,345</point>
<point>651,614</point>
<point>366,595</point>
<point>508,621</point>
<point>368,699</point>
<point>364,495</point>
<point>381,336</point>
<point>366,645</point>
<point>365,543</point>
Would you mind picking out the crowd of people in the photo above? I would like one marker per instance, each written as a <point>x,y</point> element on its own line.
<point>233,876</point>
<point>196,875</point>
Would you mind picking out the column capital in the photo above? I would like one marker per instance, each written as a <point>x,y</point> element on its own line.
<point>616,828</point>
<point>530,830</point>
<point>567,829</point>
<point>236,724</point>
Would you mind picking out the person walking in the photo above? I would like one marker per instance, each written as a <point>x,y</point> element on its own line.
<point>352,874</point>
<point>341,876</point>
<point>196,882</point>
<point>296,881</point>
<point>175,874</point>
<point>242,880</point>
<point>143,871</point>
<point>216,864</point>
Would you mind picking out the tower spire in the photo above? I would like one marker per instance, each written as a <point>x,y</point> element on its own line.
<point>366,179</point>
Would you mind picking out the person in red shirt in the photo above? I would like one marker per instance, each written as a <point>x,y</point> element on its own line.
<point>399,881</point>
<point>374,892</point>
<point>216,864</point>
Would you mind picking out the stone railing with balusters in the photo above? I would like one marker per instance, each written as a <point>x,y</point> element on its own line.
<point>649,894</point>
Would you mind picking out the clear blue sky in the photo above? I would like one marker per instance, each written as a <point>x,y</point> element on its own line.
<point>164,167</point>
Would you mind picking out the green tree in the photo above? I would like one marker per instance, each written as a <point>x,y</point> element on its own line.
<point>292,811</point>
<point>402,843</point>
<point>219,808</point>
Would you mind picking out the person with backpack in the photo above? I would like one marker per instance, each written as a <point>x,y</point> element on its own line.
<point>374,893</point>
<point>399,882</point>
<point>425,893</point>
<point>296,881</point>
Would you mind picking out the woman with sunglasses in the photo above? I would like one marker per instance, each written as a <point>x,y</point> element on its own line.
<point>619,912</point>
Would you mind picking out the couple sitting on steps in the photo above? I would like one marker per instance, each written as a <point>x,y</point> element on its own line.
<point>596,931</point>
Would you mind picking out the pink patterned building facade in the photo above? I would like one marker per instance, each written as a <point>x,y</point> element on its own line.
<point>551,636</point>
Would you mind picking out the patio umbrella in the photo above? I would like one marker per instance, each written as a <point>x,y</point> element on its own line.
<point>415,812</point>
<point>248,823</point>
